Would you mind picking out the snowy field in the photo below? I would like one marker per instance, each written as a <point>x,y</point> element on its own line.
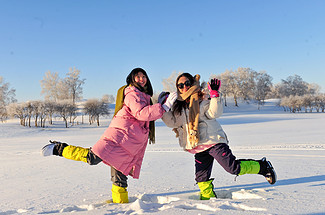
<point>294,143</point>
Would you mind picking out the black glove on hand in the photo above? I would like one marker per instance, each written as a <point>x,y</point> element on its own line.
<point>215,84</point>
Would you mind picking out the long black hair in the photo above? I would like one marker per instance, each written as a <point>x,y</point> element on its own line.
<point>180,105</point>
<point>130,80</point>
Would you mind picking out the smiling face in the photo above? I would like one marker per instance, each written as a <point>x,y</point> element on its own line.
<point>140,79</point>
<point>183,84</point>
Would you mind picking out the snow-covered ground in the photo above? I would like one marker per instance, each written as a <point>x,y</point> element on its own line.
<point>295,144</point>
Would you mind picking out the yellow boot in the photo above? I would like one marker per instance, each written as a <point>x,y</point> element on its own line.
<point>119,194</point>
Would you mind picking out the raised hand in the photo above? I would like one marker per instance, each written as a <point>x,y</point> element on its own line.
<point>214,86</point>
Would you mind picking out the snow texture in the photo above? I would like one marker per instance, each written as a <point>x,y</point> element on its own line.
<point>294,143</point>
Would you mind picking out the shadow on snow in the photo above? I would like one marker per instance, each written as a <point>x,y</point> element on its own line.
<point>284,182</point>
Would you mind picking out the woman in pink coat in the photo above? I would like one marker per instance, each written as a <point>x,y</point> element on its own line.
<point>123,144</point>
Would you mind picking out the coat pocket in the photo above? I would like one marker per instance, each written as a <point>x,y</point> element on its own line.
<point>203,131</point>
<point>181,137</point>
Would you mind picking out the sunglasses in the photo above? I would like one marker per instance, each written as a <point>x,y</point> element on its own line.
<point>186,83</point>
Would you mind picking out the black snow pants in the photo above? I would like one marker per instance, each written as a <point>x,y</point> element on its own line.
<point>222,154</point>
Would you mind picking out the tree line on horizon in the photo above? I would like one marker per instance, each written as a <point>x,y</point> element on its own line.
<point>247,85</point>
<point>62,99</point>
<point>62,94</point>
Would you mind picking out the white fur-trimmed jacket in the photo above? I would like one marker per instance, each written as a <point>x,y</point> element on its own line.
<point>210,130</point>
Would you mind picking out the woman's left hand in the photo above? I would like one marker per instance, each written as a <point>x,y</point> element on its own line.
<point>162,97</point>
<point>214,86</point>
<point>170,101</point>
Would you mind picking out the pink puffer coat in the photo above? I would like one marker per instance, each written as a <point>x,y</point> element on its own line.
<point>123,144</point>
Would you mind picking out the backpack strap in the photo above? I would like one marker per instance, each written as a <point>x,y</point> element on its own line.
<point>119,99</point>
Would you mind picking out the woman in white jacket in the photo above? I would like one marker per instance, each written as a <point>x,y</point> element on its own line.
<point>193,118</point>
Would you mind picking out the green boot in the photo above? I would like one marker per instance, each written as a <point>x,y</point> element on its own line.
<point>206,188</point>
<point>261,167</point>
<point>249,167</point>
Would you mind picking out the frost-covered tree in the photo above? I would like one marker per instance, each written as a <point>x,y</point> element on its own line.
<point>29,110</point>
<point>32,111</point>
<point>74,84</point>
<point>110,99</point>
<point>297,103</point>
<point>245,81</point>
<point>50,108</point>
<point>292,103</point>
<point>42,111</point>
<point>63,91</point>
<point>227,84</point>
<point>49,86</point>
<point>263,86</point>
<point>65,109</point>
<point>322,102</point>
<point>37,110</point>
<point>307,102</point>
<point>57,89</point>
<point>292,86</point>
<point>7,96</point>
<point>18,110</point>
<point>96,108</point>
<point>313,89</point>
<point>239,83</point>
<point>169,84</point>
<point>3,114</point>
<point>317,102</point>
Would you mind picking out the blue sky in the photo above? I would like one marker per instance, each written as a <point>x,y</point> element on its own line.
<point>105,40</point>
